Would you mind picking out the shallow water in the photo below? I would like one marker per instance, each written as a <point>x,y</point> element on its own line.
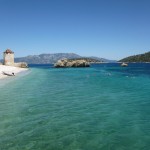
<point>103,107</point>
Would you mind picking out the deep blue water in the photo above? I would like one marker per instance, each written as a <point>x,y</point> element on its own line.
<point>104,107</point>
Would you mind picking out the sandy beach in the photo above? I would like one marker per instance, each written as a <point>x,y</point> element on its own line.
<point>10,69</point>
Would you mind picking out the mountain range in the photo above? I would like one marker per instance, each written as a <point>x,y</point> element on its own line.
<point>53,58</point>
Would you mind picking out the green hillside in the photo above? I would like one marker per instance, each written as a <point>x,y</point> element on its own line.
<point>137,58</point>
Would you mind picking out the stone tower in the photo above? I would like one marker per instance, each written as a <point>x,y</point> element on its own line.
<point>9,58</point>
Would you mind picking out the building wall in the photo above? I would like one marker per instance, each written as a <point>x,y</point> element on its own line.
<point>8,59</point>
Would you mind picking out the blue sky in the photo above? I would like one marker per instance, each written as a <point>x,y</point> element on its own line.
<point>110,29</point>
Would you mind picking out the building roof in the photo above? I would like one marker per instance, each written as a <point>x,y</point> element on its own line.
<point>8,51</point>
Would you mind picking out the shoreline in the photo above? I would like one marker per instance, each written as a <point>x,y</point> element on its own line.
<point>10,69</point>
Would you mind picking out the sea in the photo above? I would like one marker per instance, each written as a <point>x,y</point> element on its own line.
<point>104,107</point>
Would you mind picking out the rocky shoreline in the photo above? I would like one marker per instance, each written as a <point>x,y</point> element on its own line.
<point>67,63</point>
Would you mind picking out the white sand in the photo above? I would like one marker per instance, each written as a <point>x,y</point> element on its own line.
<point>10,69</point>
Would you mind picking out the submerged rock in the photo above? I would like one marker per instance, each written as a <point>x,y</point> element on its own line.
<point>71,63</point>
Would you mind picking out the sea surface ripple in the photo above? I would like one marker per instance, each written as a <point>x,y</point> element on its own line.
<point>104,107</point>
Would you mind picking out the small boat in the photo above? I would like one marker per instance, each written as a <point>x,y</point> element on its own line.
<point>9,74</point>
<point>124,64</point>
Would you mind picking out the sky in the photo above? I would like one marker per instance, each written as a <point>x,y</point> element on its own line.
<point>111,29</point>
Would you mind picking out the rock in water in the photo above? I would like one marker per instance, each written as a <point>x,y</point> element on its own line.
<point>21,65</point>
<point>71,63</point>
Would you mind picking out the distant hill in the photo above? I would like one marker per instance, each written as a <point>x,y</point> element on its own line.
<point>53,58</point>
<point>137,58</point>
<point>102,59</point>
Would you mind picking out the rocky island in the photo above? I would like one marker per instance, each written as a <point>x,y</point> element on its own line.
<point>66,63</point>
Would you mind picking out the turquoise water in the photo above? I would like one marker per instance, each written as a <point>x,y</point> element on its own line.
<point>104,107</point>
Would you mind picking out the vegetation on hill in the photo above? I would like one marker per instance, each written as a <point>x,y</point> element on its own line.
<point>137,58</point>
<point>87,59</point>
